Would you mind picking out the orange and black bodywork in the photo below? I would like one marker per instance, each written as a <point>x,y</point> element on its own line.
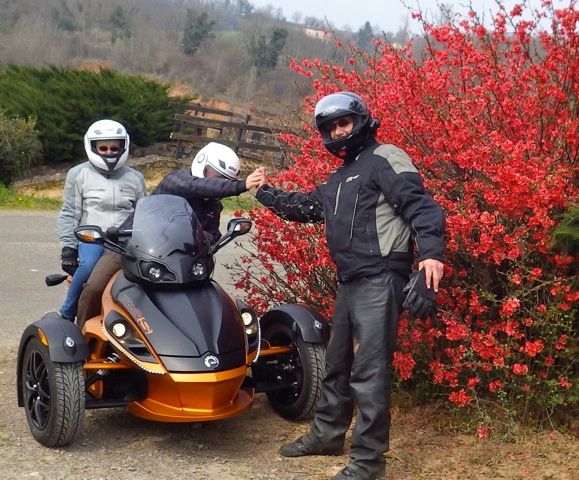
<point>170,344</point>
<point>188,368</point>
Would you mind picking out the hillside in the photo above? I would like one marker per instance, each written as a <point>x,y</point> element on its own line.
<point>213,49</point>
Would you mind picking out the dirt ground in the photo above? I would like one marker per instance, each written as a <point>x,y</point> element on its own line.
<point>117,446</point>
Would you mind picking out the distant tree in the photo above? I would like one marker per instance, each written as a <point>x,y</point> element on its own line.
<point>276,44</point>
<point>119,23</point>
<point>265,52</point>
<point>64,19</point>
<point>243,7</point>
<point>364,36</point>
<point>313,22</point>
<point>198,29</point>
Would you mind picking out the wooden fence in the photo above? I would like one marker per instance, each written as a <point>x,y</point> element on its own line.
<point>197,125</point>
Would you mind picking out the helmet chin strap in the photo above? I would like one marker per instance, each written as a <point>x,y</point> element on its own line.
<point>111,166</point>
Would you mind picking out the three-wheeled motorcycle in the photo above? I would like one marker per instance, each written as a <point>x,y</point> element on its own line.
<point>170,344</point>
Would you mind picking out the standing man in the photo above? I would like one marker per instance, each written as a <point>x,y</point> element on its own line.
<point>375,209</point>
<point>102,191</point>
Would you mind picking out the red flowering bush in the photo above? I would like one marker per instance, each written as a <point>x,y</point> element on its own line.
<point>490,117</point>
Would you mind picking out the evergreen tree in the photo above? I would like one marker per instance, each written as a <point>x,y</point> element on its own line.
<point>198,29</point>
<point>65,102</point>
<point>364,36</point>
<point>120,25</point>
<point>265,52</point>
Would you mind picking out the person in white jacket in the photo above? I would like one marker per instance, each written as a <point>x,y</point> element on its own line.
<point>102,191</point>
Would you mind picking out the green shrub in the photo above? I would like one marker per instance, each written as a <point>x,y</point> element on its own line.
<point>65,102</point>
<point>20,148</point>
<point>566,235</point>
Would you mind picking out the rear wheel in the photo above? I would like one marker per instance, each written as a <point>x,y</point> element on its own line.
<point>302,370</point>
<point>53,396</point>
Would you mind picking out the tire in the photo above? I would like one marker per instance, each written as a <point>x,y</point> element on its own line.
<point>53,396</point>
<point>304,367</point>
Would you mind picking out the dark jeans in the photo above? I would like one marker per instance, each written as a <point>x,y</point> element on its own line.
<point>358,370</point>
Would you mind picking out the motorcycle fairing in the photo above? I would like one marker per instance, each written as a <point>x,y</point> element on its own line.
<point>167,236</point>
<point>211,326</point>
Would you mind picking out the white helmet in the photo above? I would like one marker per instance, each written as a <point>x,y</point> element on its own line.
<point>220,158</point>
<point>107,130</point>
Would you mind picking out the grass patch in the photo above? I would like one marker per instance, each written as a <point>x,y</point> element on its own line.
<point>246,201</point>
<point>10,198</point>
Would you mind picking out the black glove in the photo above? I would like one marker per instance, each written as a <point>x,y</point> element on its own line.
<point>69,260</point>
<point>420,300</point>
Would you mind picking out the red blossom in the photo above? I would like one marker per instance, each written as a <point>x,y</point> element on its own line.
<point>460,397</point>
<point>404,364</point>
<point>533,348</point>
<point>496,385</point>
<point>510,306</point>
<point>562,342</point>
<point>565,383</point>
<point>520,369</point>
<point>483,431</point>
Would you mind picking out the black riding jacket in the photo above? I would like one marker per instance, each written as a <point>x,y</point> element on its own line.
<point>374,207</point>
<point>203,195</point>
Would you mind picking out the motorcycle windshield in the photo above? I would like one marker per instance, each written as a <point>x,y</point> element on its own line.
<point>164,224</point>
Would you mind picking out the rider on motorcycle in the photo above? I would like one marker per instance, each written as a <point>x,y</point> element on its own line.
<point>214,175</point>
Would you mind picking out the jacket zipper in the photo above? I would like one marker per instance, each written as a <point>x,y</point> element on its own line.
<point>337,198</point>
<point>353,216</point>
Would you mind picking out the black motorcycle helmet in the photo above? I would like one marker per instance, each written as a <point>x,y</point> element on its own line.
<point>338,105</point>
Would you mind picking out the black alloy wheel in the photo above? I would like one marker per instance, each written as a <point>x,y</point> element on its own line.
<point>53,396</point>
<point>301,371</point>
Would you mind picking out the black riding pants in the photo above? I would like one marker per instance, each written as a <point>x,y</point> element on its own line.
<point>358,370</point>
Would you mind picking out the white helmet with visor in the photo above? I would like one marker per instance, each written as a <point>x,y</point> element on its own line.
<point>106,143</point>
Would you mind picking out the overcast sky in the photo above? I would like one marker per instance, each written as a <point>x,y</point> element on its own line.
<point>387,14</point>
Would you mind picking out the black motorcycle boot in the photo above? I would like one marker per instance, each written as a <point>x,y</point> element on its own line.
<point>298,448</point>
<point>348,473</point>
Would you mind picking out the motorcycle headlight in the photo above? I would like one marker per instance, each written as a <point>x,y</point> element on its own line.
<point>155,272</point>
<point>198,270</point>
<point>119,329</point>
<point>249,322</point>
<point>123,332</point>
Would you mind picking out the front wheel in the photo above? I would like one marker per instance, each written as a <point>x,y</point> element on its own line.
<point>53,396</point>
<point>302,370</point>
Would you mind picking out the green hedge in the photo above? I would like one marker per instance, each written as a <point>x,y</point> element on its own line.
<point>20,148</point>
<point>65,102</point>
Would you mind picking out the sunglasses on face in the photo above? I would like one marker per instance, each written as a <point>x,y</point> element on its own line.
<point>105,148</point>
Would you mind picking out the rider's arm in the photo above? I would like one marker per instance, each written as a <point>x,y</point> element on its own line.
<point>71,210</point>
<point>183,184</point>
<point>295,206</point>
<point>401,183</point>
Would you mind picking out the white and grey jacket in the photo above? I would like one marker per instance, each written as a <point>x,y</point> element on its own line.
<point>95,197</point>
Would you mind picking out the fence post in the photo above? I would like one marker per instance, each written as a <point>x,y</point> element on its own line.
<point>241,130</point>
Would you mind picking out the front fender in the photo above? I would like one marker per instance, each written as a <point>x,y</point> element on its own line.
<point>312,327</point>
<point>65,342</point>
